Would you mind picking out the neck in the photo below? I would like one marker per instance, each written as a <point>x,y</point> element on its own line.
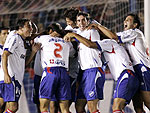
<point>21,34</point>
<point>1,42</point>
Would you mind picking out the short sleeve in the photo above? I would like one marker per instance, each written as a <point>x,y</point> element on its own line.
<point>127,36</point>
<point>94,35</point>
<point>11,43</point>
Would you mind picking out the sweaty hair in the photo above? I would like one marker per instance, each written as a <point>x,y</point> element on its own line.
<point>21,23</point>
<point>86,15</point>
<point>71,14</point>
<point>3,28</point>
<point>136,19</point>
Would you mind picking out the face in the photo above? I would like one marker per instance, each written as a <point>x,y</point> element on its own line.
<point>129,23</point>
<point>4,34</point>
<point>27,29</point>
<point>70,22</point>
<point>82,22</point>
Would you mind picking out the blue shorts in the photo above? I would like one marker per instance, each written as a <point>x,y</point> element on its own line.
<point>35,94</point>
<point>55,84</point>
<point>127,85</point>
<point>10,92</point>
<point>91,85</point>
<point>143,74</point>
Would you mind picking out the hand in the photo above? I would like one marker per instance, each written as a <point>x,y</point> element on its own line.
<point>68,37</point>
<point>7,79</point>
<point>93,25</point>
<point>36,47</point>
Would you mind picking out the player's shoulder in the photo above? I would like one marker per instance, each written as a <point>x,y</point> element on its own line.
<point>13,34</point>
<point>69,28</point>
<point>92,31</point>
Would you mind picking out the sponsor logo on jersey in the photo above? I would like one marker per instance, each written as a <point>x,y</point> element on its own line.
<point>58,62</point>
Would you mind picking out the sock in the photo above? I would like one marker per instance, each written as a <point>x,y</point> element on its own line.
<point>8,111</point>
<point>97,111</point>
<point>118,111</point>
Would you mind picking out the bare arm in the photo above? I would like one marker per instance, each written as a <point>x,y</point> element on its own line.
<point>35,48</point>
<point>106,31</point>
<point>86,42</point>
<point>7,78</point>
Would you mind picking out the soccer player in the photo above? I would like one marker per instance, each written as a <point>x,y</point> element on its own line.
<point>92,82</point>
<point>55,83</point>
<point>135,44</point>
<point>13,64</point>
<point>3,35</point>
<point>38,70</point>
<point>37,79</point>
<point>120,67</point>
<point>134,41</point>
<point>70,17</point>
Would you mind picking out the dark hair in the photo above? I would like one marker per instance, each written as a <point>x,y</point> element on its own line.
<point>3,28</point>
<point>86,15</point>
<point>71,14</point>
<point>57,27</point>
<point>21,23</point>
<point>136,19</point>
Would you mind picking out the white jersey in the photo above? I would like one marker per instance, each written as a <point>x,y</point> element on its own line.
<point>71,29</point>
<point>116,56</point>
<point>136,46</point>
<point>1,52</point>
<point>16,60</point>
<point>37,64</point>
<point>88,57</point>
<point>54,51</point>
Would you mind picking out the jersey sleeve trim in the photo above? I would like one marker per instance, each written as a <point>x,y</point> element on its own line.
<point>6,49</point>
<point>98,46</point>
<point>119,38</point>
<point>1,46</point>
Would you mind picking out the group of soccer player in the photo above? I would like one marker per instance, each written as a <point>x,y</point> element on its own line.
<point>69,66</point>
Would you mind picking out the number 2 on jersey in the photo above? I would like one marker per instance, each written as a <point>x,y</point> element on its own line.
<point>59,49</point>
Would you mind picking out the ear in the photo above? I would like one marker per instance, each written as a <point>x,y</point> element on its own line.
<point>135,25</point>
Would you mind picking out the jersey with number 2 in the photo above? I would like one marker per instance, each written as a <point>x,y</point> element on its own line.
<point>54,51</point>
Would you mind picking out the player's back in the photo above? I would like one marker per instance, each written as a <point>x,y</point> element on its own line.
<point>54,52</point>
<point>117,57</point>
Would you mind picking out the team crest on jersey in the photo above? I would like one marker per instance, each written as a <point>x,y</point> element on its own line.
<point>22,56</point>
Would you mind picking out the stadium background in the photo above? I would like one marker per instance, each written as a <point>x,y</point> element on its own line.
<point>110,13</point>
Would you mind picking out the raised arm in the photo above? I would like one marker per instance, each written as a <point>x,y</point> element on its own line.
<point>105,30</point>
<point>35,48</point>
<point>74,36</point>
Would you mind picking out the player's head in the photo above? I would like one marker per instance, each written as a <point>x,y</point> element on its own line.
<point>55,30</point>
<point>82,20</point>
<point>132,21</point>
<point>4,31</point>
<point>70,16</point>
<point>24,27</point>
